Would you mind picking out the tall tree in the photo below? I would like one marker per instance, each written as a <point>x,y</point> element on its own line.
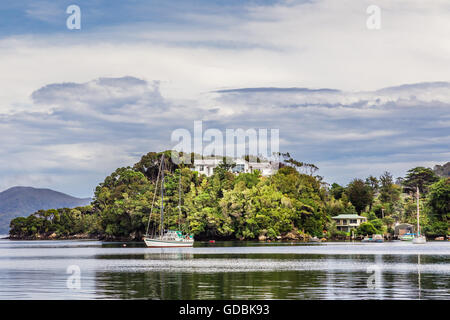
<point>359,194</point>
<point>337,191</point>
<point>149,164</point>
<point>419,177</point>
<point>389,192</point>
<point>439,199</point>
<point>373,183</point>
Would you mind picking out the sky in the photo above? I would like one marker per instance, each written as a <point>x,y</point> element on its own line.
<point>77,104</point>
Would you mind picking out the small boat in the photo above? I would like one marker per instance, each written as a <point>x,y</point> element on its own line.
<point>419,239</point>
<point>407,237</point>
<point>378,238</point>
<point>166,238</point>
<point>170,238</point>
<point>314,239</point>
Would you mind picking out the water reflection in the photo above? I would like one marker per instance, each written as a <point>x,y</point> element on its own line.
<point>37,270</point>
<point>418,273</point>
<point>263,285</point>
<point>326,279</point>
<point>163,255</point>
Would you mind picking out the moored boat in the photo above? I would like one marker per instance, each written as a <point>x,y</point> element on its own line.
<point>419,239</point>
<point>170,238</point>
<point>407,237</point>
<point>166,238</point>
<point>378,238</point>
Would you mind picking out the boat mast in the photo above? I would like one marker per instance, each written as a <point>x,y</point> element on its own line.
<point>179,202</point>
<point>418,230</point>
<point>153,202</point>
<point>162,196</point>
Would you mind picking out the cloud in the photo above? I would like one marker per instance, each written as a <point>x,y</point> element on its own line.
<point>46,11</point>
<point>198,48</point>
<point>310,68</point>
<point>341,131</point>
<point>88,129</point>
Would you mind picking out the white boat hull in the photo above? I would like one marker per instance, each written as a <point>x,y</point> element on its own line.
<point>420,240</point>
<point>157,243</point>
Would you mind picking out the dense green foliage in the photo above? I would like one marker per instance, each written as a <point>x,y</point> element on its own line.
<point>359,194</point>
<point>439,200</point>
<point>442,171</point>
<point>57,222</point>
<point>286,205</point>
<point>21,201</point>
<point>420,177</point>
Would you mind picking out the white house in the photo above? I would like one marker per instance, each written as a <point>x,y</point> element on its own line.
<point>346,222</point>
<point>207,166</point>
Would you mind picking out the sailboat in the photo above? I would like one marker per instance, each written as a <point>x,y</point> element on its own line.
<point>419,239</point>
<point>166,238</point>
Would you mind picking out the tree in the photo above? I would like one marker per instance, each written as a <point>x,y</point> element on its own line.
<point>389,192</point>
<point>123,201</point>
<point>439,199</point>
<point>389,222</point>
<point>149,164</point>
<point>378,225</point>
<point>337,191</point>
<point>366,228</point>
<point>419,177</point>
<point>250,179</point>
<point>359,194</point>
<point>437,228</point>
<point>373,183</point>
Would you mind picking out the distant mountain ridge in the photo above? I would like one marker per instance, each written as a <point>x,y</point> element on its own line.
<point>442,171</point>
<point>23,201</point>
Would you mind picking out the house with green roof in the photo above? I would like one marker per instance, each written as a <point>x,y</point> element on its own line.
<point>346,222</point>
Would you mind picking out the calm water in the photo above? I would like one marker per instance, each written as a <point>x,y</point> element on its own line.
<point>251,270</point>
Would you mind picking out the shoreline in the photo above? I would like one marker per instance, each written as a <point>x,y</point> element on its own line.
<point>105,239</point>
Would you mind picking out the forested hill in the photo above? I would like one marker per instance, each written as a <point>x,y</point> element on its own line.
<point>292,204</point>
<point>442,171</point>
<point>23,201</point>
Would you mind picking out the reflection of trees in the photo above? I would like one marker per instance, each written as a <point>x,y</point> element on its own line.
<point>332,283</point>
<point>169,256</point>
<point>168,285</point>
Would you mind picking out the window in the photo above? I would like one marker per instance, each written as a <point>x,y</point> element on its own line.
<point>353,221</point>
<point>202,168</point>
